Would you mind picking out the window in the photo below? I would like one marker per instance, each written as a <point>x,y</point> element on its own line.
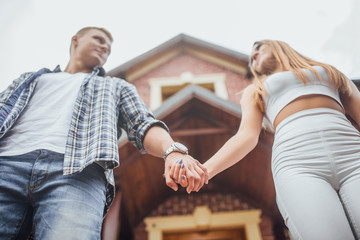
<point>163,88</point>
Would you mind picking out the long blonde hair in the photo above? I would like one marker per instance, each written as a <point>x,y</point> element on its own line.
<point>290,60</point>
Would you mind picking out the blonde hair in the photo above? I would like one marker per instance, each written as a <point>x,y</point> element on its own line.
<point>290,60</point>
<point>82,31</point>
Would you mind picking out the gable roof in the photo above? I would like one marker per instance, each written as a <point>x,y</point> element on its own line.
<point>181,43</point>
<point>172,106</point>
<point>195,91</point>
<point>356,82</point>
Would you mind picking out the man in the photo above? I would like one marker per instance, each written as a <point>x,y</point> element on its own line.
<point>58,136</point>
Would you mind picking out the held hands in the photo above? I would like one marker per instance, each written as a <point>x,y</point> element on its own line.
<point>185,170</point>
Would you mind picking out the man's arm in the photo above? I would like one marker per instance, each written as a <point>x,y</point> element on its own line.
<point>151,136</point>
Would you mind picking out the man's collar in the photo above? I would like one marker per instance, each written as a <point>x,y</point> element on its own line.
<point>57,69</point>
<point>100,71</point>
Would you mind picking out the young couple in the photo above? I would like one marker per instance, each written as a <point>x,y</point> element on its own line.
<point>59,131</point>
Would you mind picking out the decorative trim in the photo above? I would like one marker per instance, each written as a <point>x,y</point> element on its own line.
<point>161,86</point>
<point>204,219</point>
<point>142,70</point>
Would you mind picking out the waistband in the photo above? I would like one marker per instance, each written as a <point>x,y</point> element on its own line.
<point>317,118</point>
<point>310,112</point>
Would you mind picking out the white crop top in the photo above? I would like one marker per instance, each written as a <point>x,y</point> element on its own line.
<point>284,87</point>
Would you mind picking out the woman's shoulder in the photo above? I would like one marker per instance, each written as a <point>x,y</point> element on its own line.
<point>248,93</point>
<point>249,90</point>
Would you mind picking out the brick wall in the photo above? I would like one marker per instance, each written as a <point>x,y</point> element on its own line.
<point>216,202</point>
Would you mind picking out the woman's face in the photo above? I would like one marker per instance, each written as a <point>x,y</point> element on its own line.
<point>262,60</point>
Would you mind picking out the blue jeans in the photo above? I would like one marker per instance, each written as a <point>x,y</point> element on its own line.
<point>36,197</point>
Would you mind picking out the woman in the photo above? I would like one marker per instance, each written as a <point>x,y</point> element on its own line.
<point>316,150</point>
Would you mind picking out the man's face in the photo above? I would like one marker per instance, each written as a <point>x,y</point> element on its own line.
<point>92,48</point>
<point>263,60</point>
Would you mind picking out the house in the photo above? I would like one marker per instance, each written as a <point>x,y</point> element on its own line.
<point>194,87</point>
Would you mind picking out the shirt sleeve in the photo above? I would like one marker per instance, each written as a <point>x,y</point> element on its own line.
<point>135,117</point>
<point>11,88</point>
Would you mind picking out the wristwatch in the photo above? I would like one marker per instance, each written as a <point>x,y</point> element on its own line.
<point>176,147</point>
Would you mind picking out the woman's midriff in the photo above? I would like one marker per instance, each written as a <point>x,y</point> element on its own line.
<point>307,102</point>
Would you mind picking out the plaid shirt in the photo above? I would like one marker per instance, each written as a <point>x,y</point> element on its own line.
<point>104,106</point>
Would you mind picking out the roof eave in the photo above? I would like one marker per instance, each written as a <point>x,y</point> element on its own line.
<point>181,39</point>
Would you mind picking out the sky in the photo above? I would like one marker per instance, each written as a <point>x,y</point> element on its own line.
<point>37,33</point>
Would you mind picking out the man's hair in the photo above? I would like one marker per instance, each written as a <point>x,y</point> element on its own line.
<point>82,31</point>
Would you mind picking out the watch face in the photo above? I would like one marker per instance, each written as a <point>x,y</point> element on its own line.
<point>176,147</point>
<point>181,147</point>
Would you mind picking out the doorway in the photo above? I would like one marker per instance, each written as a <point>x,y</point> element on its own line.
<point>227,234</point>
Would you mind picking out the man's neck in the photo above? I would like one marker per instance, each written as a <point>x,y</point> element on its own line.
<point>76,68</point>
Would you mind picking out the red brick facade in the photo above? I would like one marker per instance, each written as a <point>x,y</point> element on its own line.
<point>235,82</point>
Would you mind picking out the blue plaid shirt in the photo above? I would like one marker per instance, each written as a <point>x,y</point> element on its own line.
<point>104,106</point>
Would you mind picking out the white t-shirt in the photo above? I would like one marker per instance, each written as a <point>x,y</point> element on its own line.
<point>45,121</point>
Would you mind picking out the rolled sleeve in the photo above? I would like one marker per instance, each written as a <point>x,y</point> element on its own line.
<point>142,130</point>
<point>135,117</point>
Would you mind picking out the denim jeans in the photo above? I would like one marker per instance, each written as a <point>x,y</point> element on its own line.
<point>36,197</point>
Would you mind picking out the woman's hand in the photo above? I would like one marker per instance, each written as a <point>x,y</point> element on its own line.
<point>188,173</point>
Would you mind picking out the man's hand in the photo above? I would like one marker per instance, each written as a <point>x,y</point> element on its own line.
<point>185,170</point>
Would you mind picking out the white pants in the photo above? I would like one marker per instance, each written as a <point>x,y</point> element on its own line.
<point>316,170</point>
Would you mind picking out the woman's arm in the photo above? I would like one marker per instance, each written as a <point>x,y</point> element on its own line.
<point>245,140</point>
<point>237,146</point>
<point>351,102</point>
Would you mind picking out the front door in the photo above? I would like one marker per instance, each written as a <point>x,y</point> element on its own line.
<point>228,234</point>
